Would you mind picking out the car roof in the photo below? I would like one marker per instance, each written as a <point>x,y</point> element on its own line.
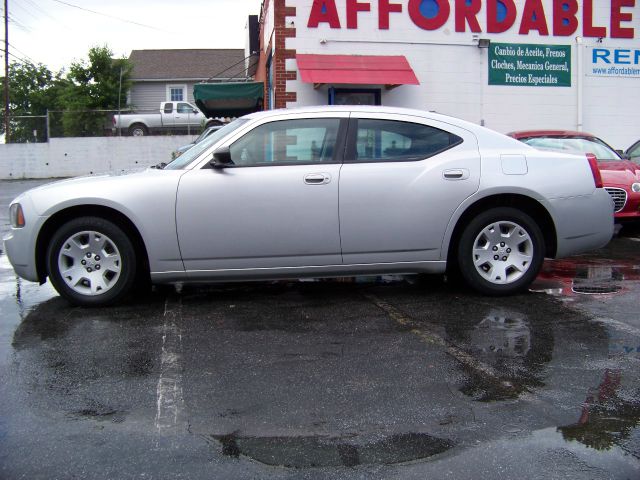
<point>360,108</point>
<point>550,133</point>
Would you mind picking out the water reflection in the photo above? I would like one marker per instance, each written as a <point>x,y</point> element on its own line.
<point>513,344</point>
<point>607,418</point>
<point>576,276</point>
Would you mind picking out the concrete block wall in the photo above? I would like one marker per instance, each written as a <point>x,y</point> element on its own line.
<point>70,157</point>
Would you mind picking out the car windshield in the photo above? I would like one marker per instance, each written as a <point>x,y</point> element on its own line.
<point>207,131</point>
<point>194,152</point>
<point>592,145</point>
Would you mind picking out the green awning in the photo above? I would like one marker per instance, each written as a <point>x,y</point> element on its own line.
<point>231,99</point>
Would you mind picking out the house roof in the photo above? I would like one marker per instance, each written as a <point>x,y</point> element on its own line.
<point>187,64</point>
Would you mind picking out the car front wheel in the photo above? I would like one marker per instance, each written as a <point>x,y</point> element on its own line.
<point>501,251</point>
<point>91,262</point>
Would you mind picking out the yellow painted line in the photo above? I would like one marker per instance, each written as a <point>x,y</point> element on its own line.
<point>433,338</point>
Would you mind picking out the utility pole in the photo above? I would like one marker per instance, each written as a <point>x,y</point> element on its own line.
<point>6,71</point>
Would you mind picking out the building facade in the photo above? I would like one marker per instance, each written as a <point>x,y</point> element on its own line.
<point>169,75</point>
<point>506,64</point>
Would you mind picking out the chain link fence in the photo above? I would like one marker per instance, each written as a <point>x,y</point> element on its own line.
<point>94,123</point>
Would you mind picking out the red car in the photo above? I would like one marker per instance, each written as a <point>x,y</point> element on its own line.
<point>621,177</point>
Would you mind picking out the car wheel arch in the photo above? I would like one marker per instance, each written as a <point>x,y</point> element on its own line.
<point>528,205</point>
<point>56,220</point>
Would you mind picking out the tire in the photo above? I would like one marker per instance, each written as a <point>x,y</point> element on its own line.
<point>501,251</point>
<point>91,275</point>
<point>138,130</point>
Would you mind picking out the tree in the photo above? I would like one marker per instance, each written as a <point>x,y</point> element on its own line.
<point>101,83</point>
<point>34,89</point>
<point>75,98</point>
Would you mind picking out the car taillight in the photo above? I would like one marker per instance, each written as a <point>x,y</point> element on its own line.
<point>593,163</point>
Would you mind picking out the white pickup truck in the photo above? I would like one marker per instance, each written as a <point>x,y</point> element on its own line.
<point>173,116</point>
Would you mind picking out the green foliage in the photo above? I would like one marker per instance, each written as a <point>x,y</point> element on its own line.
<point>94,85</point>
<point>89,85</point>
<point>34,89</point>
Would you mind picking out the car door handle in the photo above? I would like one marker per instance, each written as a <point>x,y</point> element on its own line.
<point>317,178</point>
<point>456,174</point>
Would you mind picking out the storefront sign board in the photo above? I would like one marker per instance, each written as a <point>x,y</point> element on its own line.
<point>529,65</point>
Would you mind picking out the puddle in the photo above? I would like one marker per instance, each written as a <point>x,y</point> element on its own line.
<point>608,417</point>
<point>320,451</point>
<point>571,277</point>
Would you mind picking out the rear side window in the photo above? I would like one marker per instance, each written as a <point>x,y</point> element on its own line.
<point>391,141</point>
<point>168,107</point>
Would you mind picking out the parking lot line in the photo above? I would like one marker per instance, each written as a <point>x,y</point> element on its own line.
<point>427,336</point>
<point>170,401</point>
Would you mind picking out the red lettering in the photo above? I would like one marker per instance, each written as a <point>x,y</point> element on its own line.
<point>466,13</point>
<point>565,22</point>
<point>384,8</point>
<point>617,17</point>
<point>330,14</point>
<point>353,7</point>
<point>533,18</point>
<point>429,23</point>
<point>495,26</point>
<point>588,30</point>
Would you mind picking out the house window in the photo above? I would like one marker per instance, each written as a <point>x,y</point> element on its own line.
<point>176,93</point>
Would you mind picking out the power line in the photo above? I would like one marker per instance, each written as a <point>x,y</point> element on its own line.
<point>19,24</point>
<point>21,52</point>
<point>111,16</point>
<point>38,7</point>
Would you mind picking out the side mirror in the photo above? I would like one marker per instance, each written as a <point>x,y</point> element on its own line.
<point>221,158</point>
<point>622,154</point>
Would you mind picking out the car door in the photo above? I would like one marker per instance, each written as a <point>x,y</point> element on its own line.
<point>167,115</point>
<point>402,179</point>
<point>275,207</point>
<point>187,114</point>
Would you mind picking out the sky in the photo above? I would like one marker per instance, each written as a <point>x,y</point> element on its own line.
<point>57,32</point>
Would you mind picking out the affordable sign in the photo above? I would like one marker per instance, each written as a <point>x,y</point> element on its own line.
<point>531,65</point>
<point>613,62</point>
<point>562,19</point>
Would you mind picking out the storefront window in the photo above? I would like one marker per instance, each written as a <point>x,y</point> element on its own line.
<point>353,96</point>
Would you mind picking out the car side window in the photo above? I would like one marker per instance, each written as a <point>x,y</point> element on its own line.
<point>391,140</point>
<point>185,108</point>
<point>168,107</point>
<point>288,142</point>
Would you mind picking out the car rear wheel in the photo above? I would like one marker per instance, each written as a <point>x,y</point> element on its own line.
<point>91,262</point>
<point>501,251</point>
<point>138,130</point>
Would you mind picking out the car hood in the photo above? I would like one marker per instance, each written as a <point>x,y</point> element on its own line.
<point>107,189</point>
<point>623,172</point>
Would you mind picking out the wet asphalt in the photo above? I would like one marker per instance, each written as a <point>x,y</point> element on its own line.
<point>354,378</point>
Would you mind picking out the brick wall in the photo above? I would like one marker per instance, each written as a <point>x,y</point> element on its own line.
<point>283,30</point>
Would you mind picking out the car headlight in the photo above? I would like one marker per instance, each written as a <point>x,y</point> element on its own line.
<point>16,215</point>
<point>635,187</point>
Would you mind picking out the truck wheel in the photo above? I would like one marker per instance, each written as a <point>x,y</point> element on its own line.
<point>91,262</point>
<point>138,130</point>
<point>501,251</point>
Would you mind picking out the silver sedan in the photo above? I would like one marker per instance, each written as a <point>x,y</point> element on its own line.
<point>316,192</point>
